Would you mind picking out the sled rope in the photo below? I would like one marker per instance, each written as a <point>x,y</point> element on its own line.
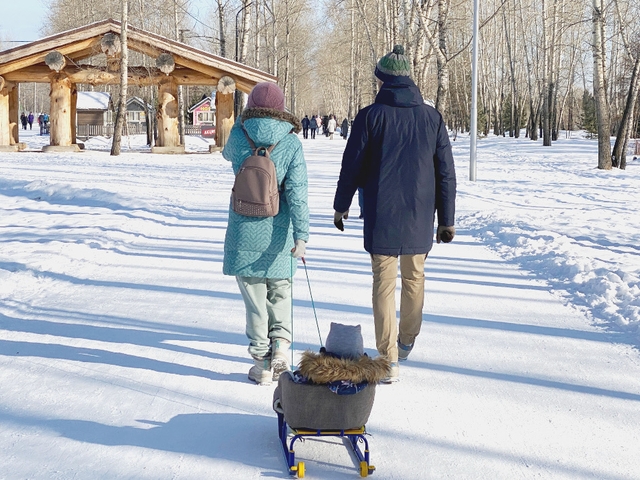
<point>313,305</point>
<point>291,347</point>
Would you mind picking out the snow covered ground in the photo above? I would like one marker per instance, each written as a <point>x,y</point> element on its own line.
<point>122,346</point>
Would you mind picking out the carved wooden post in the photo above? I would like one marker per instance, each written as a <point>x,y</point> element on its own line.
<point>60,117</point>
<point>167,115</point>
<point>5,134</point>
<point>14,116</point>
<point>224,110</point>
<point>74,101</point>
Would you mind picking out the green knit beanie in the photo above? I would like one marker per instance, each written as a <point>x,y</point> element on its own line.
<point>394,64</point>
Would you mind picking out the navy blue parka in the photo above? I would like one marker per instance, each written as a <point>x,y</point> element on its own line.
<point>399,153</point>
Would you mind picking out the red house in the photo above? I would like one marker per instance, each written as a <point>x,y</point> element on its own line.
<point>204,116</point>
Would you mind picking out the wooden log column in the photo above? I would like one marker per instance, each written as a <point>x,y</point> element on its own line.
<point>60,116</point>
<point>224,110</point>
<point>74,104</point>
<point>14,116</point>
<point>5,133</point>
<point>167,115</point>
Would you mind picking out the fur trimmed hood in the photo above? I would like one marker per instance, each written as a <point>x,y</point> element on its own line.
<point>322,368</point>
<point>257,112</point>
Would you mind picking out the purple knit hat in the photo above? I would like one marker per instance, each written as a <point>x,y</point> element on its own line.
<point>266,95</point>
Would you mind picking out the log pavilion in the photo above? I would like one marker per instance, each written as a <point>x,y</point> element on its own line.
<point>61,61</point>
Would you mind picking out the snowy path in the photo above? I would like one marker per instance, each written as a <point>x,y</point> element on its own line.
<point>123,355</point>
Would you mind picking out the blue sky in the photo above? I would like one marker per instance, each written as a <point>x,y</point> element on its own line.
<point>22,20</point>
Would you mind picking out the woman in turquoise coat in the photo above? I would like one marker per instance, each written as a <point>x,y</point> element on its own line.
<point>262,252</point>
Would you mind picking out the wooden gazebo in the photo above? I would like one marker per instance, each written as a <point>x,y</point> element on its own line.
<point>59,61</point>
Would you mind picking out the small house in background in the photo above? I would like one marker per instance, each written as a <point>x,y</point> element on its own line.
<point>204,117</point>
<point>136,114</point>
<point>92,108</point>
<point>204,113</point>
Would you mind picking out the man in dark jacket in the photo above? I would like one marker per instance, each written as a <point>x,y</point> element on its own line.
<point>305,126</point>
<point>399,153</point>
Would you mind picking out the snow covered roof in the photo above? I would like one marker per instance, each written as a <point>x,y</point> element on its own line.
<point>93,101</point>
<point>201,102</point>
<point>139,101</point>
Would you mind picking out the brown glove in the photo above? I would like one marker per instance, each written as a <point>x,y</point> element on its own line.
<point>445,234</point>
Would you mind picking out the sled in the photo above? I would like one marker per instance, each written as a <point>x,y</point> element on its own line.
<point>354,437</point>
<point>314,411</point>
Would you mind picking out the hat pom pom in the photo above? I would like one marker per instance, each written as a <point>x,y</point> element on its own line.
<point>398,50</point>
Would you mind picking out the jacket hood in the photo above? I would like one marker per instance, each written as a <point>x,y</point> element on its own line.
<point>268,125</point>
<point>321,368</point>
<point>400,92</point>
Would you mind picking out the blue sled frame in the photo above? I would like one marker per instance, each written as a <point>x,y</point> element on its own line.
<point>354,436</point>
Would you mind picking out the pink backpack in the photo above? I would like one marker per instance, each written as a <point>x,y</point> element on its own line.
<point>255,192</point>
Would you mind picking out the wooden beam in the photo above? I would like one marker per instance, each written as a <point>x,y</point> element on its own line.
<point>243,84</point>
<point>38,57</point>
<point>141,76</point>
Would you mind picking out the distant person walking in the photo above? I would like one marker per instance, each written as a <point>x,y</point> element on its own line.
<point>30,119</point>
<point>24,120</point>
<point>313,126</point>
<point>331,126</point>
<point>41,123</point>
<point>344,129</point>
<point>399,153</point>
<point>305,126</point>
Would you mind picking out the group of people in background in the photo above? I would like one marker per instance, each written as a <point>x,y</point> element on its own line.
<point>327,124</point>
<point>27,119</point>
<point>43,121</point>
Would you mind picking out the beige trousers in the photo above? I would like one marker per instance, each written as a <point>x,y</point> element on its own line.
<point>385,273</point>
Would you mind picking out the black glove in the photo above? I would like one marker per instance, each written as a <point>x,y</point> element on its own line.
<point>337,219</point>
<point>445,234</point>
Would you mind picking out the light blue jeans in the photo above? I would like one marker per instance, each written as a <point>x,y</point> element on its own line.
<point>268,305</point>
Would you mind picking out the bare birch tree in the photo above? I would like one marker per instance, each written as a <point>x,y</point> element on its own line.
<point>121,114</point>
<point>599,86</point>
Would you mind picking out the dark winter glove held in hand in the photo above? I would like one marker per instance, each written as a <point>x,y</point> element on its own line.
<point>445,234</point>
<point>337,219</point>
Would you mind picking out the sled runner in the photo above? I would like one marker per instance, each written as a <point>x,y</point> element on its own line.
<point>354,436</point>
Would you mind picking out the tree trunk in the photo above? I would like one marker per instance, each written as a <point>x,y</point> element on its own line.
<point>124,72</point>
<point>619,157</point>
<point>599,87</point>
<point>221,23</point>
<point>180,37</point>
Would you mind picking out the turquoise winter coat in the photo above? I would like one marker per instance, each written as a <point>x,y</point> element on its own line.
<point>261,246</point>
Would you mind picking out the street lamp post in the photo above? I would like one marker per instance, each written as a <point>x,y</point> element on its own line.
<point>473,134</point>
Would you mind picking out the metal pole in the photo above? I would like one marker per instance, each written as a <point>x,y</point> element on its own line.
<point>473,134</point>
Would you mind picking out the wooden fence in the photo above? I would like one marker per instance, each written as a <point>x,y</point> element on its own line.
<point>86,131</point>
